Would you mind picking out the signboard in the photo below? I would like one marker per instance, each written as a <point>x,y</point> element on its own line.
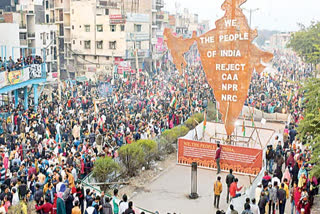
<point>228,58</point>
<point>240,159</point>
<point>15,77</point>
<point>117,19</point>
<point>182,30</point>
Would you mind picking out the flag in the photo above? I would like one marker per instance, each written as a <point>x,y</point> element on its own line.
<point>244,128</point>
<point>116,99</point>
<point>48,133</point>
<point>204,121</point>
<point>173,102</point>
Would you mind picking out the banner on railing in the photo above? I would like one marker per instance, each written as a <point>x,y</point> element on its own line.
<point>22,75</point>
<point>240,159</point>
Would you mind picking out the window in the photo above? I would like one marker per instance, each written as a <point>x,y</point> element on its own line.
<point>95,57</point>
<point>112,45</point>
<point>74,42</point>
<point>99,44</point>
<point>113,28</point>
<point>47,5</point>
<point>87,44</point>
<point>138,45</point>
<point>47,18</point>
<point>80,42</point>
<point>107,58</point>
<point>106,12</point>
<point>72,27</point>
<point>87,28</point>
<point>72,11</point>
<point>122,27</point>
<point>137,28</point>
<point>99,28</point>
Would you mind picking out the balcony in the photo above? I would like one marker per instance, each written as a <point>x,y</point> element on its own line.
<point>31,35</point>
<point>66,10</point>
<point>23,42</point>
<point>159,4</point>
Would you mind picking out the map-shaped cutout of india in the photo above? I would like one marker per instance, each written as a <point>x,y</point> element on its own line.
<point>228,58</point>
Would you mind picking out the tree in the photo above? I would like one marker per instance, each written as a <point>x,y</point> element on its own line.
<point>103,168</point>
<point>132,157</point>
<point>310,125</point>
<point>150,150</point>
<point>306,43</point>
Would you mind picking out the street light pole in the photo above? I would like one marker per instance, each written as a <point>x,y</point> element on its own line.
<point>251,11</point>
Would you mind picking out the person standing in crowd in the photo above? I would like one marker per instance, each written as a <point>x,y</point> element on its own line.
<point>123,204</point>
<point>217,158</point>
<point>229,179</point>
<point>281,195</point>
<point>254,207</point>
<point>270,158</point>
<point>217,192</point>
<point>130,208</point>
<point>273,194</point>
<point>263,203</point>
<point>115,202</point>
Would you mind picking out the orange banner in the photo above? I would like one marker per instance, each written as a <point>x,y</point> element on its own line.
<point>240,159</point>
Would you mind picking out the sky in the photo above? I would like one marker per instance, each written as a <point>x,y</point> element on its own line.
<point>281,15</point>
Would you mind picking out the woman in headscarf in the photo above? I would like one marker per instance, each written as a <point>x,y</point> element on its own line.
<point>61,208</point>
<point>68,199</point>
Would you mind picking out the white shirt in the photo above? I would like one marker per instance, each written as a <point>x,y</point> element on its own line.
<point>258,193</point>
<point>123,206</point>
<point>254,208</point>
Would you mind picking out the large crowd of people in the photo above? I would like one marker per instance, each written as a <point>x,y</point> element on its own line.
<point>275,91</point>
<point>287,179</point>
<point>47,150</point>
<point>10,65</point>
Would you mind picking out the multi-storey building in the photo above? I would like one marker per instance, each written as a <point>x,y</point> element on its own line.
<point>34,37</point>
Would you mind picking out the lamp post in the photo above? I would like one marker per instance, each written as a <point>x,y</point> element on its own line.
<point>251,11</point>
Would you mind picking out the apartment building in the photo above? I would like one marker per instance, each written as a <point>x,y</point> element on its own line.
<point>31,35</point>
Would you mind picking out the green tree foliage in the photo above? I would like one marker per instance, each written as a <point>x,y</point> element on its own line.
<point>306,43</point>
<point>311,122</point>
<point>132,157</point>
<point>150,149</point>
<point>103,168</point>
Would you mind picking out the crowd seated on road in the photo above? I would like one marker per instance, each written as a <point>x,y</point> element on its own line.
<point>10,65</point>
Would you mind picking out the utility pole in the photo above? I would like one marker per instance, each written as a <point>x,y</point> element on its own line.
<point>58,61</point>
<point>136,53</point>
<point>251,11</point>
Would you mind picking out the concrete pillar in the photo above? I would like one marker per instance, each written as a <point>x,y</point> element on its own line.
<point>35,95</point>
<point>16,98</point>
<point>26,95</point>
<point>194,182</point>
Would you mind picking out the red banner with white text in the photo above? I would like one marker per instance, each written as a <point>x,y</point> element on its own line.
<point>241,159</point>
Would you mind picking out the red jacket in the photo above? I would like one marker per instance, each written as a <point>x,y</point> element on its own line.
<point>233,189</point>
<point>46,208</point>
<point>218,153</point>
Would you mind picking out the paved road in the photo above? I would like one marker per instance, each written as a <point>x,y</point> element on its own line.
<point>169,193</point>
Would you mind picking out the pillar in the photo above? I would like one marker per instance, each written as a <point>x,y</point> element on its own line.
<point>194,182</point>
<point>16,98</point>
<point>35,95</point>
<point>26,95</point>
